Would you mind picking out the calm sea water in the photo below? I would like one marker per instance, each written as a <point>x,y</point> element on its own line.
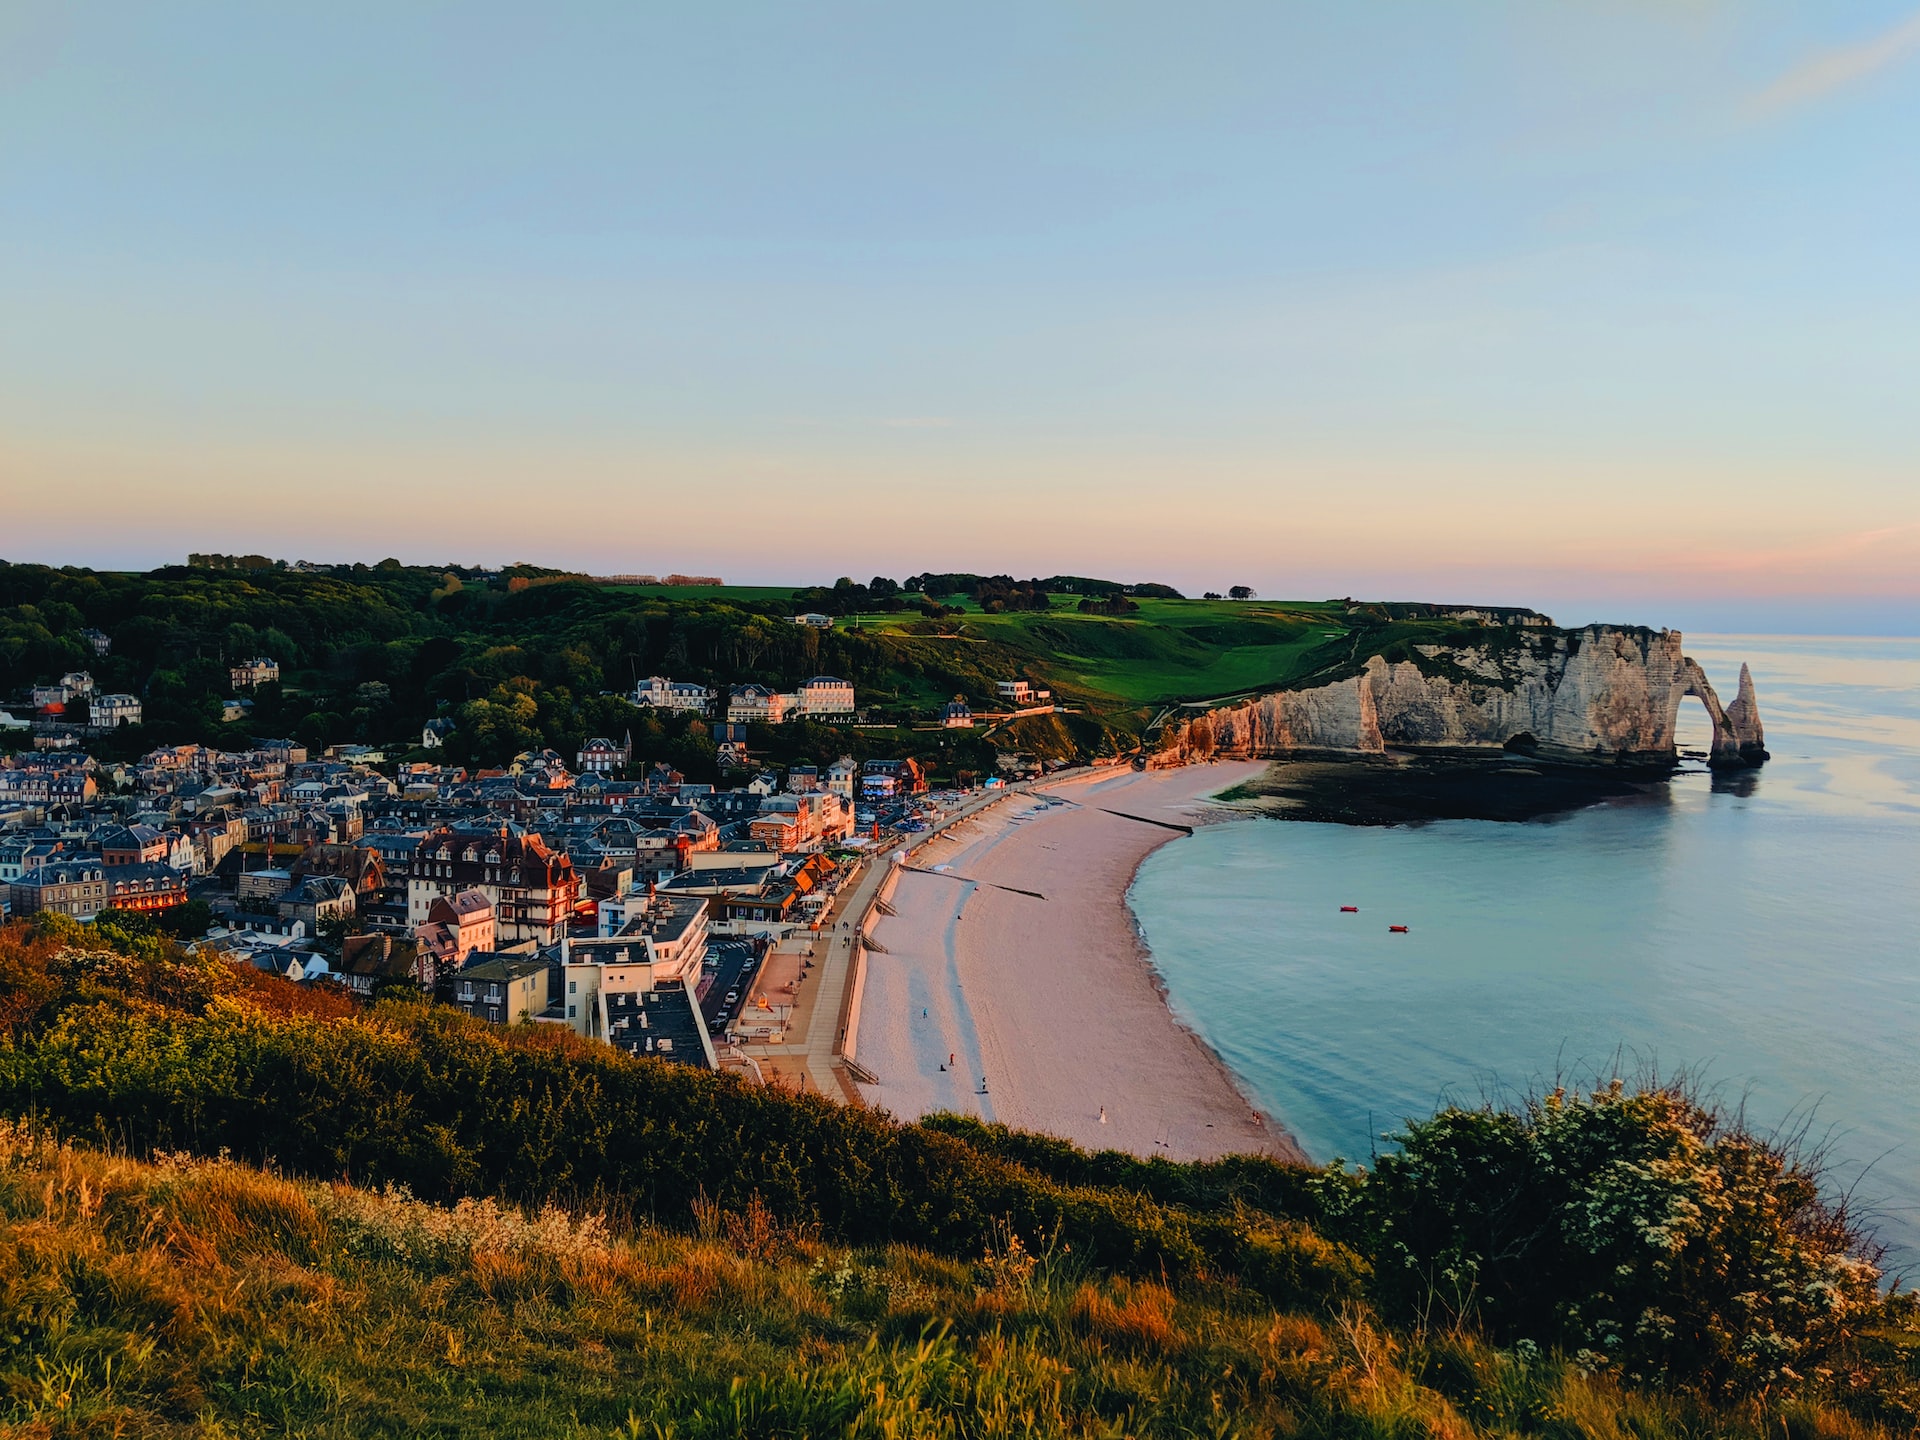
<point>1765,933</point>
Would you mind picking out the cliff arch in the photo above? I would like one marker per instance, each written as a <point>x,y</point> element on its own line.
<point>1738,738</point>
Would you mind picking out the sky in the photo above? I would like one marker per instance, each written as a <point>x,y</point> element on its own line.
<point>1612,309</point>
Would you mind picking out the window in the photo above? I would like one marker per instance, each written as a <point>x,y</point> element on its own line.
<point>493,1013</point>
<point>573,987</point>
<point>570,1012</point>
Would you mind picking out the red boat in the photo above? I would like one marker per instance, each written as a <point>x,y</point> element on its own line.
<point>1396,929</point>
<point>1349,909</point>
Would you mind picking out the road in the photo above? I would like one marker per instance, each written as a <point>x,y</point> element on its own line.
<point>733,966</point>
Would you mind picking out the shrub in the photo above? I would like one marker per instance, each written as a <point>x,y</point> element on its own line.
<point>1646,1232</point>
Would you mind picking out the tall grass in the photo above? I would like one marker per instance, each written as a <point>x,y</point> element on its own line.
<point>183,1296</point>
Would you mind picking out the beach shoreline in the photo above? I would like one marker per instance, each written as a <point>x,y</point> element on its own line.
<point>1008,953</point>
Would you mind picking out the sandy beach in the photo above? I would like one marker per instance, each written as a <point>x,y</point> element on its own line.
<point>1018,958</point>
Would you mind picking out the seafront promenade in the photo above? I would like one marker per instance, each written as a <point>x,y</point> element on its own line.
<point>810,1055</point>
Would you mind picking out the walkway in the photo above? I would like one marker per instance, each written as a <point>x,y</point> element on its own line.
<point>809,1059</point>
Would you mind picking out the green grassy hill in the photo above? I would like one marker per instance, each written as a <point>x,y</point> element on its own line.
<point>1172,650</point>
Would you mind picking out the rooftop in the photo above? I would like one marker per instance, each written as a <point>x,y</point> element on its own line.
<point>662,1024</point>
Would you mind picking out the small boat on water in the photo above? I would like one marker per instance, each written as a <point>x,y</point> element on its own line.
<point>1396,929</point>
<point>1349,909</point>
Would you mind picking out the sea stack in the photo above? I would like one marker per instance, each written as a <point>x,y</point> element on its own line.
<point>1744,715</point>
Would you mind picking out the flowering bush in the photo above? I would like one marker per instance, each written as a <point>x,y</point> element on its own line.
<point>1641,1231</point>
<point>392,1225</point>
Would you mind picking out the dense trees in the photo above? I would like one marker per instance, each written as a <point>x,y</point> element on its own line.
<point>369,654</point>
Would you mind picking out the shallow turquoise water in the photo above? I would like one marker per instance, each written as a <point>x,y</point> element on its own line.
<point>1766,935</point>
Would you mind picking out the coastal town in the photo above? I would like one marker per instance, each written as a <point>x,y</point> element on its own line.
<point>600,891</point>
<point>1041,722</point>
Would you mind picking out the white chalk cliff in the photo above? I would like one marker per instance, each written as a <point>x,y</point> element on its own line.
<point>1603,692</point>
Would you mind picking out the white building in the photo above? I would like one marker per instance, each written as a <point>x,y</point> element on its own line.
<point>841,776</point>
<point>112,710</point>
<point>1022,692</point>
<point>747,704</point>
<point>664,694</point>
<point>825,697</point>
<point>647,941</point>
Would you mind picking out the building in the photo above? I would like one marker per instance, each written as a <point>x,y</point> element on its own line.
<point>132,845</point>
<point>22,854</point>
<point>891,779</point>
<point>434,733</point>
<point>110,711</point>
<point>75,886</point>
<point>664,694</point>
<point>501,989</point>
<point>758,899</point>
<point>456,927</point>
<point>146,886</point>
<point>534,891</point>
<point>787,823</point>
<point>1022,692</point>
<point>101,642</point>
<point>258,889</point>
<point>814,619</point>
<point>841,776</point>
<point>258,671</point>
<point>658,1022</point>
<point>358,865</point>
<point>667,932</point>
<point>801,779</point>
<point>600,756</point>
<point>314,899</point>
<point>750,704</point>
<point>956,715</point>
<point>826,697</point>
<point>369,961</point>
<point>730,746</point>
<point>71,686</point>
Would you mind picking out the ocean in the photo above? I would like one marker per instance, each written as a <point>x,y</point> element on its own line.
<point>1758,932</point>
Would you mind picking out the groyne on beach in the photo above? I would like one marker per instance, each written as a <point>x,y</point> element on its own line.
<point>1010,981</point>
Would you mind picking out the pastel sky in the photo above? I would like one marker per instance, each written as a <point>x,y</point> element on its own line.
<point>1612,308</point>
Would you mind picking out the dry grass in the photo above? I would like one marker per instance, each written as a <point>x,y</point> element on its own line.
<point>208,1298</point>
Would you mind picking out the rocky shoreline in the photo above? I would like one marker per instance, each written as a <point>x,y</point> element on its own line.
<point>1404,788</point>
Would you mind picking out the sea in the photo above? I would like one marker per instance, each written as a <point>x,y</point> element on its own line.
<point>1759,933</point>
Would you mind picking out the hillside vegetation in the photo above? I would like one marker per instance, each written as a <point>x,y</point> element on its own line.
<point>230,1206</point>
<point>526,658</point>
